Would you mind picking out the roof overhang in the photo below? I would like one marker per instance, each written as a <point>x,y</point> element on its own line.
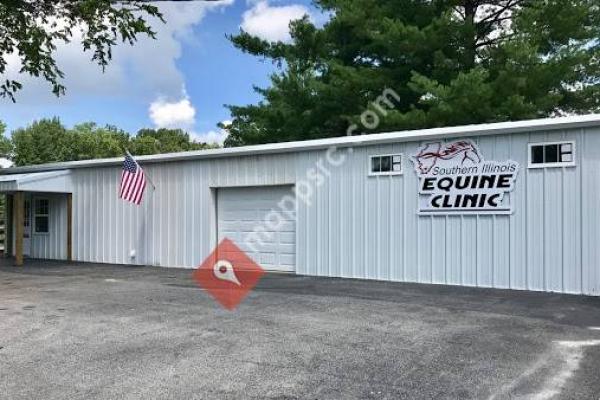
<point>497,128</point>
<point>44,182</point>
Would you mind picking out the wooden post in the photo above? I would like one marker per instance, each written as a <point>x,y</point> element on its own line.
<point>69,226</point>
<point>8,226</point>
<point>19,213</point>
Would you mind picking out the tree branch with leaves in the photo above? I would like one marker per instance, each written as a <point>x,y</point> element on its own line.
<point>32,30</point>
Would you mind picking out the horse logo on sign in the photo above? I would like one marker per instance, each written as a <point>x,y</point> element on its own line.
<point>431,153</point>
<point>455,179</point>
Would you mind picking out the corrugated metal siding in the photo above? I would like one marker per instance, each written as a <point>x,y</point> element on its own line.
<point>363,226</point>
<point>590,197</point>
<point>175,225</point>
<point>367,227</point>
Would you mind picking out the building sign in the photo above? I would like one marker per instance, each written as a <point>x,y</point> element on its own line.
<point>455,179</point>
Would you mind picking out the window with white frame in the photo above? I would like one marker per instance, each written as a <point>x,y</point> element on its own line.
<point>555,154</point>
<point>42,215</point>
<point>388,164</point>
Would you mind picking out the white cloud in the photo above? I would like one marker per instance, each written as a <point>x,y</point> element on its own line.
<point>178,114</point>
<point>213,136</point>
<point>210,137</point>
<point>182,114</point>
<point>137,73</point>
<point>272,23</point>
<point>5,162</point>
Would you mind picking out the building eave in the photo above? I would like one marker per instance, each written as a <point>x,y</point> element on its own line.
<point>43,182</point>
<point>535,125</point>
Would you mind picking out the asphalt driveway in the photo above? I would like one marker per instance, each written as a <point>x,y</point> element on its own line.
<point>96,331</point>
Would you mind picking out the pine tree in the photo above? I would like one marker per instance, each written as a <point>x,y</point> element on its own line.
<point>451,62</point>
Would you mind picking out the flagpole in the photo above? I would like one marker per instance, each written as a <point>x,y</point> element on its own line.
<point>136,163</point>
<point>143,229</point>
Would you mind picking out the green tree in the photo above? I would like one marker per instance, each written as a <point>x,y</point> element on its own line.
<point>33,28</point>
<point>450,61</point>
<point>47,140</point>
<point>6,147</point>
<point>163,140</point>
<point>43,141</point>
<point>90,141</point>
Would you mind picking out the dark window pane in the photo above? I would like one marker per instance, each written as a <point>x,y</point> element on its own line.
<point>41,224</point>
<point>537,154</point>
<point>41,206</point>
<point>386,164</point>
<point>551,155</point>
<point>375,164</point>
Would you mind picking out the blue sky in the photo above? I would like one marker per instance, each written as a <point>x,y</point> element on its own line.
<point>181,80</point>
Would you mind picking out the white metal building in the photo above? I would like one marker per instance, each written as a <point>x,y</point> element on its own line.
<point>507,205</point>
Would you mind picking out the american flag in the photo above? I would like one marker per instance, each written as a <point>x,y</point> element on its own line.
<point>133,181</point>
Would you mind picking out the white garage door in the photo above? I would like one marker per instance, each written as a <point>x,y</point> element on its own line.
<point>242,210</point>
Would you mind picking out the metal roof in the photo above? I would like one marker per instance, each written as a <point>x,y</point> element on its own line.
<point>47,182</point>
<point>579,121</point>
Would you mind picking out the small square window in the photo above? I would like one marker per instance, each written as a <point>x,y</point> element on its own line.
<point>386,165</point>
<point>552,155</point>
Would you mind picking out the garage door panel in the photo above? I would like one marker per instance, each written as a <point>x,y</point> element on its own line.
<point>233,236</point>
<point>263,216</point>
<point>228,226</point>
<point>281,226</point>
<point>287,259</point>
<point>241,226</point>
<point>243,216</point>
<point>236,260</point>
<point>287,238</point>
<point>274,248</point>
<point>254,204</point>
<point>272,244</point>
<point>251,238</point>
<point>267,259</point>
<point>286,215</point>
